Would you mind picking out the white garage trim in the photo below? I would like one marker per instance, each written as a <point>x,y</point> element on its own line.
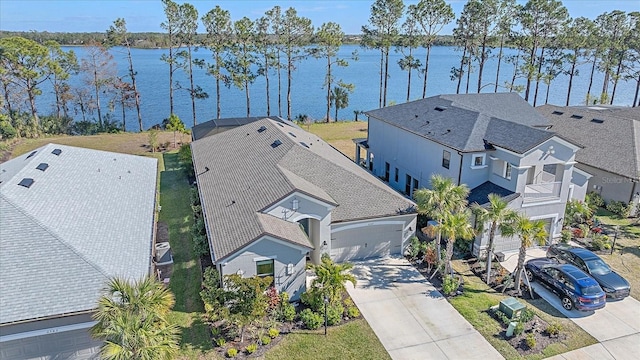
<point>368,223</point>
<point>48,331</point>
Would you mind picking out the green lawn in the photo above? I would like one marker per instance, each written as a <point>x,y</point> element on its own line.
<point>626,255</point>
<point>186,276</point>
<point>478,297</point>
<point>354,340</point>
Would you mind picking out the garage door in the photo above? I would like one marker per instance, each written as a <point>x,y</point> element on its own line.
<point>366,242</point>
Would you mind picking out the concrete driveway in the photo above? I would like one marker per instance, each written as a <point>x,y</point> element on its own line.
<point>616,326</point>
<point>410,317</point>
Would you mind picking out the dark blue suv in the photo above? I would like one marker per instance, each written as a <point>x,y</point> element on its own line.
<point>575,288</point>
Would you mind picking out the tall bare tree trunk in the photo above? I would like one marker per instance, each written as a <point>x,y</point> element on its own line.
<point>635,98</point>
<point>593,71</point>
<point>136,95</point>
<point>617,77</point>
<point>571,75</point>
<point>329,90</point>
<point>464,55</point>
<point>266,77</point>
<point>381,76</point>
<point>218,67</point>
<point>522,254</point>
<point>535,96</point>
<point>279,87</point>
<point>426,72</point>
<point>192,87</point>
<point>170,73</point>
<point>495,88</point>
<point>386,77</point>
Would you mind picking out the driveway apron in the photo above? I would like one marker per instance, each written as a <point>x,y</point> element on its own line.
<point>410,317</point>
<point>616,326</point>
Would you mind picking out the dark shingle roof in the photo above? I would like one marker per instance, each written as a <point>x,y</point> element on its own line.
<point>480,194</point>
<point>611,143</point>
<point>470,122</point>
<point>247,176</point>
<point>216,126</point>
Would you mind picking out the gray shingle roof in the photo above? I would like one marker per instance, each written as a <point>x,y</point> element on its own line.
<point>216,126</point>
<point>467,122</point>
<point>87,217</point>
<point>480,194</point>
<point>612,145</point>
<point>248,175</point>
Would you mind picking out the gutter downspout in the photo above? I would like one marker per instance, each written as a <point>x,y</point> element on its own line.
<point>460,169</point>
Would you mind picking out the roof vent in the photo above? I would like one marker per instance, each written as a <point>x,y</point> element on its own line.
<point>26,182</point>
<point>56,152</point>
<point>304,144</point>
<point>42,166</point>
<point>262,129</point>
<point>32,153</point>
<point>557,112</point>
<point>276,143</point>
<point>279,124</point>
<point>440,108</point>
<point>574,116</point>
<point>597,121</point>
<point>292,134</point>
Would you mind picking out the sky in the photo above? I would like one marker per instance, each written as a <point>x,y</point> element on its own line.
<point>146,15</point>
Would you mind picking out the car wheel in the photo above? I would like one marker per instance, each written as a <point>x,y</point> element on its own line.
<point>530,276</point>
<point>567,303</point>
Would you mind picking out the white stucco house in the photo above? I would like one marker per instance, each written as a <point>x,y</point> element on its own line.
<point>493,143</point>
<point>611,146</point>
<point>70,220</point>
<point>275,197</point>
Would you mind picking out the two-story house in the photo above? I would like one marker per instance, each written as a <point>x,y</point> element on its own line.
<point>493,143</point>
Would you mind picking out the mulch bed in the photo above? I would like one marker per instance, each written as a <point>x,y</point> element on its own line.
<point>536,327</point>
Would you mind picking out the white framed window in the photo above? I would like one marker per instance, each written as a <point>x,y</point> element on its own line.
<point>478,160</point>
<point>265,268</point>
<point>446,159</point>
<point>507,170</point>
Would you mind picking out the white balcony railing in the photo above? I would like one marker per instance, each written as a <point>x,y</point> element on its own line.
<point>542,191</point>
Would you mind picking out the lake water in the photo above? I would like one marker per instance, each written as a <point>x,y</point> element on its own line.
<point>308,95</point>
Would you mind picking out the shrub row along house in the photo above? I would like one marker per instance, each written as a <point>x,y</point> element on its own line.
<point>274,197</point>
<point>611,140</point>
<point>493,143</point>
<point>71,219</point>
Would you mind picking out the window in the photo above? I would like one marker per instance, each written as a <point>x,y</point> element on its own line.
<point>264,268</point>
<point>507,170</point>
<point>407,185</point>
<point>386,171</point>
<point>478,160</point>
<point>446,159</point>
<point>370,161</point>
<point>396,175</point>
<point>416,183</point>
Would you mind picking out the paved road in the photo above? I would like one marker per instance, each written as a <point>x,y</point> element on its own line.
<point>410,317</point>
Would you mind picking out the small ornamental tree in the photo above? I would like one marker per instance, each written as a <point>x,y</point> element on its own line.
<point>173,123</point>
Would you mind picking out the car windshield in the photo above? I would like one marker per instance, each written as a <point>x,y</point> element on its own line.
<point>598,267</point>
<point>590,290</point>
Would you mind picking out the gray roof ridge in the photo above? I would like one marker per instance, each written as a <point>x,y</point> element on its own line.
<point>263,217</point>
<point>320,195</point>
<point>56,236</point>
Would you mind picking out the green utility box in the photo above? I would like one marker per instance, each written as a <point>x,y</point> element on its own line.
<point>511,307</point>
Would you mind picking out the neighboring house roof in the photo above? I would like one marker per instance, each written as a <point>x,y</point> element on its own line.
<point>471,122</point>
<point>216,126</point>
<point>610,136</point>
<point>247,175</point>
<point>480,194</point>
<point>86,218</point>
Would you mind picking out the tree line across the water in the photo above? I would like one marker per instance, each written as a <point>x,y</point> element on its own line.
<point>547,40</point>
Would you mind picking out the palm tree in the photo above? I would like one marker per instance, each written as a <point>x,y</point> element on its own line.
<point>131,319</point>
<point>530,232</point>
<point>455,226</point>
<point>443,198</point>
<point>332,277</point>
<point>500,216</point>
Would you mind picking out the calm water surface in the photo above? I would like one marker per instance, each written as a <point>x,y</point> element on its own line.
<point>308,95</point>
